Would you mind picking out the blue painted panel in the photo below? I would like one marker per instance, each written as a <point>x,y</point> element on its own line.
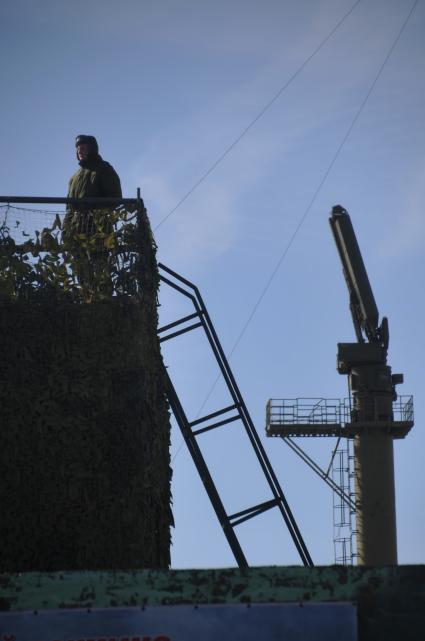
<point>268,622</point>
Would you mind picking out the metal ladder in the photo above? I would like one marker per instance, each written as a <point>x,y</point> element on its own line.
<point>235,412</point>
<point>344,511</point>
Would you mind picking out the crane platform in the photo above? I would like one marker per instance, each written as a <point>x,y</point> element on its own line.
<point>317,417</point>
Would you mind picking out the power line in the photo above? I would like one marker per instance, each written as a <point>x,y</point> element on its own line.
<point>257,117</point>
<point>323,180</point>
<point>309,206</point>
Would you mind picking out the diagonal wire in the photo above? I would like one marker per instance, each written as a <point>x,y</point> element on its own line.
<point>257,117</point>
<point>309,206</point>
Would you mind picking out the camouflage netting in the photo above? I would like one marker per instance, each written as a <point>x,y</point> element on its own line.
<point>84,437</point>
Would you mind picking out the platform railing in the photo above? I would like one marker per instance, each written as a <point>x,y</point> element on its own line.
<point>322,411</point>
<point>91,250</point>
<point>308,411</point>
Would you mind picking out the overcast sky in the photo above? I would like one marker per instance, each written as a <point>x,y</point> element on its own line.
<point>167,87</point>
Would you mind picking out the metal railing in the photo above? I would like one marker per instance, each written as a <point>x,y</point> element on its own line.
<point>95,249</point>
<point>322,411</point>
<point>308,411</point>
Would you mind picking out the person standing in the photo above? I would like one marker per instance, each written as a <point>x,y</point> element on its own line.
<point>96,178</point>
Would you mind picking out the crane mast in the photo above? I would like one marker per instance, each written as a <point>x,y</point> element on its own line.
<point>372,417</point>
<point>372,389</point>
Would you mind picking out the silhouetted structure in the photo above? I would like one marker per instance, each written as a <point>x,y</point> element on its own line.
<point>84,444</point>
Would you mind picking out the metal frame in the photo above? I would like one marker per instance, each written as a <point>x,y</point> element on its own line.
<point>237,411</point>
<point>324,475</point>
<point>44,200</point>
<point>314,417</point>
<point>342,464</point>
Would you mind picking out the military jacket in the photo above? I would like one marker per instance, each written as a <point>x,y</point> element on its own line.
<point>95,179</point>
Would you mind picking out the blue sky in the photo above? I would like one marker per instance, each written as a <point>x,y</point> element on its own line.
<point>167,87</point>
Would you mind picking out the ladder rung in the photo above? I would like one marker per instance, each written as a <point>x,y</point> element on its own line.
<point>250,512</point>
<point>178,322</point>
<point>181,331</point>
<point>213,415</point>
<point>214,425</point>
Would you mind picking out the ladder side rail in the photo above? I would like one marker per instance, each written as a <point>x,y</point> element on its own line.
<point>204,473</point>
<point>178,288</point>
<point>177,276</point>
<point>212,337</point>
<point>206,323</point>
<point>246,419</point>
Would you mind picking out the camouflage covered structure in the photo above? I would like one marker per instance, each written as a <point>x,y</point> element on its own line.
<point>84,442</point>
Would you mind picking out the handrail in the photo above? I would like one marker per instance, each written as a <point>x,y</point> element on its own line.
<point>40,200</point>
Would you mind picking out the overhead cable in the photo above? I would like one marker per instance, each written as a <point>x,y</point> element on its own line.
<point>310,204</point>
<point>257,117</point>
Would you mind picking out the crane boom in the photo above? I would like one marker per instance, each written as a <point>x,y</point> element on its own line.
<point>363,307</point>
